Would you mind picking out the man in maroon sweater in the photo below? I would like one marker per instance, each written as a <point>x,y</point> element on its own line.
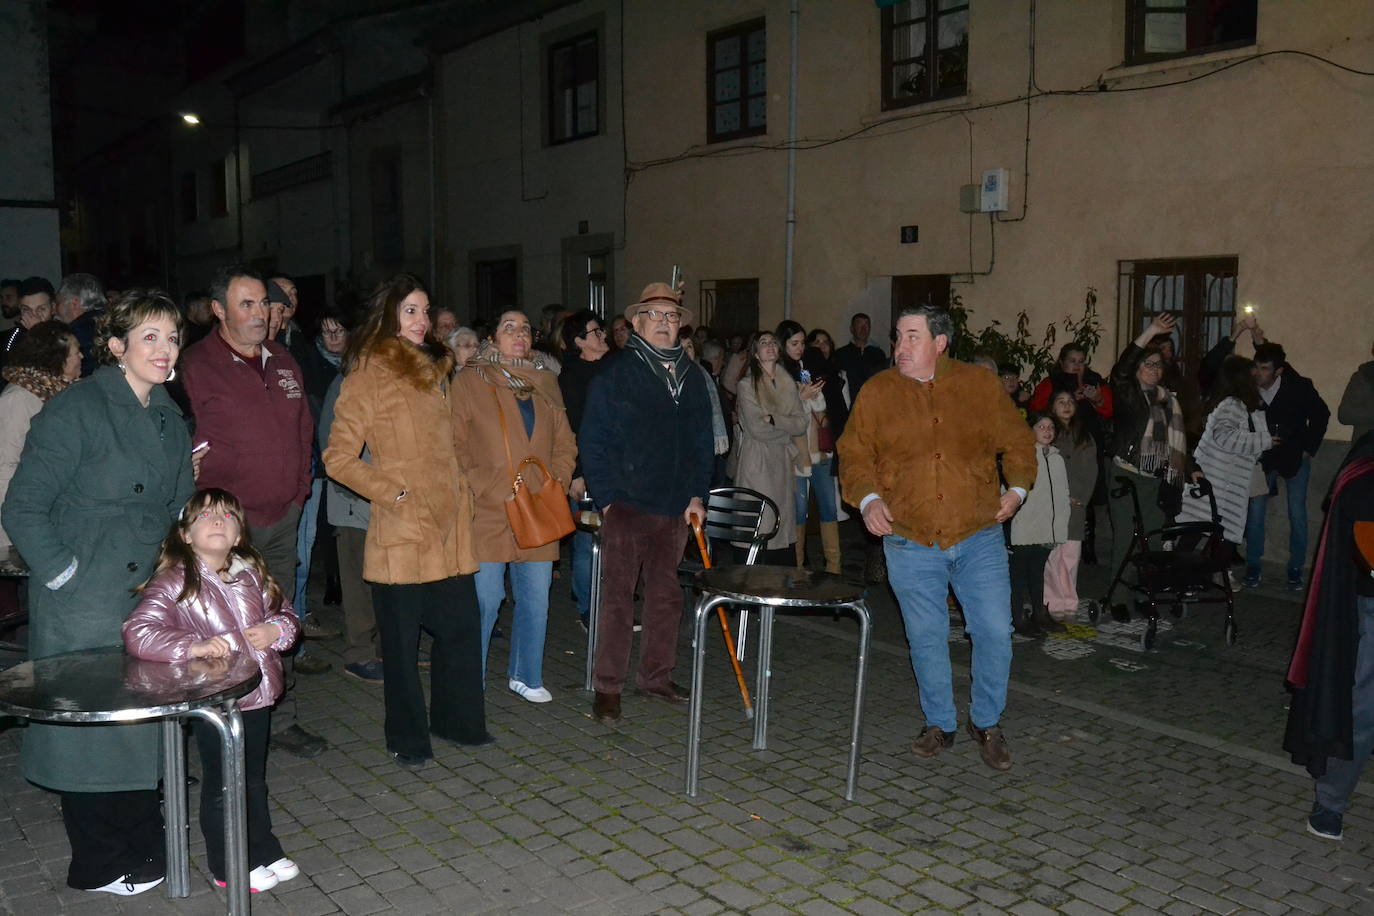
<point>248,398</point>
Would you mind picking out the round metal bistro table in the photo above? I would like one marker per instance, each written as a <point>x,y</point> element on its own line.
<point>105,686</point>
<point>773,588</point>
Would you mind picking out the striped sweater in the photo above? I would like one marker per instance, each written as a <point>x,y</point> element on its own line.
<point>1226,454</point>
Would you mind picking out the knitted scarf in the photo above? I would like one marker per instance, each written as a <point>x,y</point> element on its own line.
<point>670,364</point>
<point>1164,443</point>
<point>524,376</point>
<point>42,385</point>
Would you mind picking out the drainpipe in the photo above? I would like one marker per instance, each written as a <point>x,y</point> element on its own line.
<point>794,30</point>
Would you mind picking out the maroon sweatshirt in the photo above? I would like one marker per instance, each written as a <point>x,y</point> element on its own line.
<point>257,422</point>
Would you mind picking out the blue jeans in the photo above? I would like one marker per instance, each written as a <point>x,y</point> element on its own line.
<point>305,544</point>
<point>920,576</point>
<point>1296,487</point>
<point>1335,788</point>
<point>825,492</point>
<point>530,584</point>
<point>581,551</point>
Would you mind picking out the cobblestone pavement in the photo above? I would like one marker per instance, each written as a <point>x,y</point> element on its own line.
<point>1144,783</point>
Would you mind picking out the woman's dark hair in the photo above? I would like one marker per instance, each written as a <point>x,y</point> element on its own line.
<point>1236,381</point>
<point>382,324</point>
<point>573,327</point>
<point>130,309</point>
<point>1077,427</point>
<point>43,347</point>
<point>1072,346</point>
<point>787,329</point>
<point>177,552</point>
<point>816,334</point>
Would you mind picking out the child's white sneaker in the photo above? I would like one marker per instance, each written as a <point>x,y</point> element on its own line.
<point>533,694</point>
<point>124,887</point>
<point>260,879</point>
<point>284,869</point>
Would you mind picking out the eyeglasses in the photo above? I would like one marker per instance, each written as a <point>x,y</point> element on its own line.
<point>599,332</point>
<point>333,332</point>
<point>661,315</point>
<point>1152,364</point>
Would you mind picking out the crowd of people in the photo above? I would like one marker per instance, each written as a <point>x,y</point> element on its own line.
<point>174,501</point>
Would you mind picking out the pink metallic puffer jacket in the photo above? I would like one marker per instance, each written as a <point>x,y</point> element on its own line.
<point>159,629</point>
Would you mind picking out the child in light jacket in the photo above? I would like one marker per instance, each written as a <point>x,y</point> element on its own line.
<point>1040,524</point>
<point>211,595</point>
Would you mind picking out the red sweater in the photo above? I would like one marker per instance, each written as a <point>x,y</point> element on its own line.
<point>257,423</point>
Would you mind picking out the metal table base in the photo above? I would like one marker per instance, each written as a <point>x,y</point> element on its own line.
<point>730,586</point>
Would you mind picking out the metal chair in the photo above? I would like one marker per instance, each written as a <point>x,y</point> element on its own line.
<point>733,515</point>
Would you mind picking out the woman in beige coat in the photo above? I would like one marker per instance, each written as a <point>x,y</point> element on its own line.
<point>507,407</point>
<point>395,400</point>
<point>770,415</point>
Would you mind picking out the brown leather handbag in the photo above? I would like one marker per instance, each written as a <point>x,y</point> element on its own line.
<point>536,518</point>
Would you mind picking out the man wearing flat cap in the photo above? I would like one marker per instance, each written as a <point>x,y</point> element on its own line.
<point>646,448</point>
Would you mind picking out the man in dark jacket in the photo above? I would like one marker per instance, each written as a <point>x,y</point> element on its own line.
<point>646,450</point>
<point>584,345</point>
<point>249,400</point>
<point>859,359</point>
<point>1297,418</point>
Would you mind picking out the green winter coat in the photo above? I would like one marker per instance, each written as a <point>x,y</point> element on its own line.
<point>100,480</point>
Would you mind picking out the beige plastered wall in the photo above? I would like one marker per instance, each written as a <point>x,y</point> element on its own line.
<point>1268,161</point>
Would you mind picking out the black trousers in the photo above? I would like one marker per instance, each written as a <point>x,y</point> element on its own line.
<point>446,608</point>
<point>263,847</point>
<point>1028,577</point>
<point>113,834</point>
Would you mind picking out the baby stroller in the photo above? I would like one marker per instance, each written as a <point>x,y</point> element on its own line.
<point>1184,563</point>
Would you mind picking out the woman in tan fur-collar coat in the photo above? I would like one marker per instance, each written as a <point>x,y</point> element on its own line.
<point>418,556</point>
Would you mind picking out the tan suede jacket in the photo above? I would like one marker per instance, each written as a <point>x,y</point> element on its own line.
<point>929,450</point>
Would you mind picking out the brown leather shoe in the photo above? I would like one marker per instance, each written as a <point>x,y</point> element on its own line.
<point>672,693</point>
<point>931,741</point>
<point>606,707</point>
<point>992,746</point>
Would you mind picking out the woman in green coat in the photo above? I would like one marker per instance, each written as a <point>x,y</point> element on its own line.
<point>104,471</point>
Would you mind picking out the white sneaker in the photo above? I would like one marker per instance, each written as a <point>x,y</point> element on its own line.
<point>284,869</point>
<point>123,887</point>
<point>260,879</point>
<point>533,694</point>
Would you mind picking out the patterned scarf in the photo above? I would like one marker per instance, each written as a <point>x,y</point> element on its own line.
<point>40,384</point>
<point>524,376</point>
<point>1164,443</point>
<point>671,364</point>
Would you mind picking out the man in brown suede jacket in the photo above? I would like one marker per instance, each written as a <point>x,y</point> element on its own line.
<point>919,457</point>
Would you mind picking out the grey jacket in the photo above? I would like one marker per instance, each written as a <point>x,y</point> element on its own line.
<point>98,484</point>
<point>342,507</point>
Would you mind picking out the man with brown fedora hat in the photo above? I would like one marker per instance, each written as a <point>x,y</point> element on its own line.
<point>646,448</point>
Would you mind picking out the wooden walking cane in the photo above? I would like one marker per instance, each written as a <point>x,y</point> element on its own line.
<point>724,624</point>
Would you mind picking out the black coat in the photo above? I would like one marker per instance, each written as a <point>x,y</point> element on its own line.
<point>1320,718</point>
<point>1299,416</point>
<point>639,446</point>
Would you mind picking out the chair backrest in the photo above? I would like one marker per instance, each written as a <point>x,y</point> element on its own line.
<point>741,515</point>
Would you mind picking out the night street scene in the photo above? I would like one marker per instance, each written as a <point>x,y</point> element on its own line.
<point>686,457</point>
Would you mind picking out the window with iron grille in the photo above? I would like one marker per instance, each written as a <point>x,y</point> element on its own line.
<point>925,51</point>
<point>1199,292</point>
<point>574,99</point>
<point>1161,29</point>
<point>737,82</point>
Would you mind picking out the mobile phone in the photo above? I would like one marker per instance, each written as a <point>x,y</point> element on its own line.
<point>677,277</point>
<point>202,447</point>
<point>806,376</point>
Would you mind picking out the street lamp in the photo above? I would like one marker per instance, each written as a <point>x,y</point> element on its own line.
<point>191,118</point>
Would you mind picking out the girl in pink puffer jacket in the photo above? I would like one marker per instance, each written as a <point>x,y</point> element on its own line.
<point>211,595</point>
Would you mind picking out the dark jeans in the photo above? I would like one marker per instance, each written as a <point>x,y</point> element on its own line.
<point>1028,577</point>
<point>277,544</point>
<point>634,541</point>
<point>1342,776</point>
<point>263,847</point>
<point>446,608</point>
<point>113,834</point>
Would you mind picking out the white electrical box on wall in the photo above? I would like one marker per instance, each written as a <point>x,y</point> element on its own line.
<point>993,197</point>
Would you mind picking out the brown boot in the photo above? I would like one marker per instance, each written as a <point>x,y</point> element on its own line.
<point>992,746</point>
<point>801,546</point>
<point>606,707</point>
<point>931,741</point>
<point>830,543</point>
